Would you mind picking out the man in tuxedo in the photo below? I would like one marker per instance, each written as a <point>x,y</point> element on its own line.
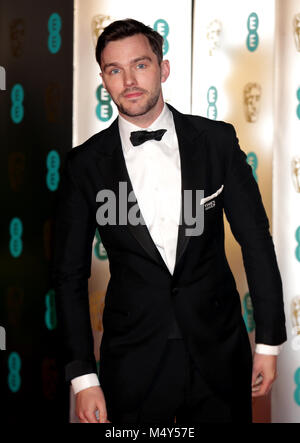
<point>174,341</point>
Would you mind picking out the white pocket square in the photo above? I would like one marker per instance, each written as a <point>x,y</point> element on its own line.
<point>206,199</point>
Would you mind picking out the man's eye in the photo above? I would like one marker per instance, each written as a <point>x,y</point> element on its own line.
<point>115,71</point>
<point>141,66</point>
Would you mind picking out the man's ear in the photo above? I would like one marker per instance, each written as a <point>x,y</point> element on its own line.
<point>165,70</point>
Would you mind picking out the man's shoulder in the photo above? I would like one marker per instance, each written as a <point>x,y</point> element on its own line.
<point>214,128</point>
<point>94,145</point>
<point>211,126</point>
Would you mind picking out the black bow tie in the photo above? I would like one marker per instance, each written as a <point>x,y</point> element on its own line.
<point>139,137</point>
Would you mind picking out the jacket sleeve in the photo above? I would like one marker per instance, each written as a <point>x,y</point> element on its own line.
<point>74,230</point>
<point>249,224</point>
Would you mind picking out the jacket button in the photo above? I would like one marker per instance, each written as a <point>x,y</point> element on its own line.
<point>174,291</point>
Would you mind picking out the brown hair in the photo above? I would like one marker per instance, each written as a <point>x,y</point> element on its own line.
<point>127,28</point>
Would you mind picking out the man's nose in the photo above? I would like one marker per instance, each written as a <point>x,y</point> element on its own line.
<point>129,78</point>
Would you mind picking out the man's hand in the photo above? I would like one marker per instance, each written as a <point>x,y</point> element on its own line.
<point>263,374</point>
<point>87,402</point>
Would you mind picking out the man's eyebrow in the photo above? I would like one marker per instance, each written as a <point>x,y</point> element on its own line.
<point>135,60</point>
<point>108,65</point>
<point>143,57</point>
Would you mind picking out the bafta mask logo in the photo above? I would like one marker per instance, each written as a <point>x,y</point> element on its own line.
<point>17,33</point>
<point>295,317</point>
<point>213,36</point>
<point>99,23</point>
<point>296,29</point>
<point>252,98</point>
<point>14,304</point>
<point>296,173</point>
<point>50,377</point>
<point>48,238</point>
<point>16,169</point>
<point>295,305</point>
<point>52,102</point>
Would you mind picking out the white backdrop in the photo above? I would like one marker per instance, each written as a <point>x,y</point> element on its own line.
<point>233,60</point>
<point>286,393</point>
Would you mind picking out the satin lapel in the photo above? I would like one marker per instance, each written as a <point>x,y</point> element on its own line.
<point>192,159</point>
<point>113,171</point>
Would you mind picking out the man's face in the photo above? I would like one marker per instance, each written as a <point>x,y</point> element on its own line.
<point>132,76</point>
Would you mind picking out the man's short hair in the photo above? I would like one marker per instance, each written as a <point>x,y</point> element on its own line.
<point>127,28</point>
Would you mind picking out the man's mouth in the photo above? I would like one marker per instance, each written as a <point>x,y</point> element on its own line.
<point>133,94</point>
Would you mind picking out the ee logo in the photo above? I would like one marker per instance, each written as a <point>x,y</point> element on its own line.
<point>104,109</point>
<point>16,231</point>
<point>50,314</point>
<point>252,38</point>
<point>252,160</point>
<point>212,97</point>
<point>297,391</point>
<point>297,235</point>
<point>17,109</point>
<point>162,27</point>
<point>54,28</point>
<point>100,251</point>
<point>53,163</point>
<point>248,313</point>
<point>14,366</point>
<point>298,107</point>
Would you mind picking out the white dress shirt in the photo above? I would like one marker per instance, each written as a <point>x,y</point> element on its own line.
<point>155,174</point>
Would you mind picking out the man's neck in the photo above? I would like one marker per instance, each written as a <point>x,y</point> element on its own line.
<point>146,120</point>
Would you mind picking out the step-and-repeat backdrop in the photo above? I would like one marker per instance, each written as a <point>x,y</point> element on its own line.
<point>286,197</point>
<point>233,59</point>
<point>36,54</point>
<point>230,60</point>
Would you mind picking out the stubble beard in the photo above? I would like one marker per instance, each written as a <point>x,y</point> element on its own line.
<point>151,102</point>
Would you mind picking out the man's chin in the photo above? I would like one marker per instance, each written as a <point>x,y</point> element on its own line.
<point>139,107</point>
<point>132,111</point>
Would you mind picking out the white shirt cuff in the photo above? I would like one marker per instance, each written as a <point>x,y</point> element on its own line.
<point>268,349</point>
<point>84,381</point>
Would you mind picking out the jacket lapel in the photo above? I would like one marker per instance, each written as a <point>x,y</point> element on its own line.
<point>192,159</point>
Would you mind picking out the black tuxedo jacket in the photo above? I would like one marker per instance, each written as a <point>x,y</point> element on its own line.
<point>143,299</point>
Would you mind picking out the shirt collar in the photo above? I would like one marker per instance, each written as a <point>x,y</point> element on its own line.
<point>163,121</point>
